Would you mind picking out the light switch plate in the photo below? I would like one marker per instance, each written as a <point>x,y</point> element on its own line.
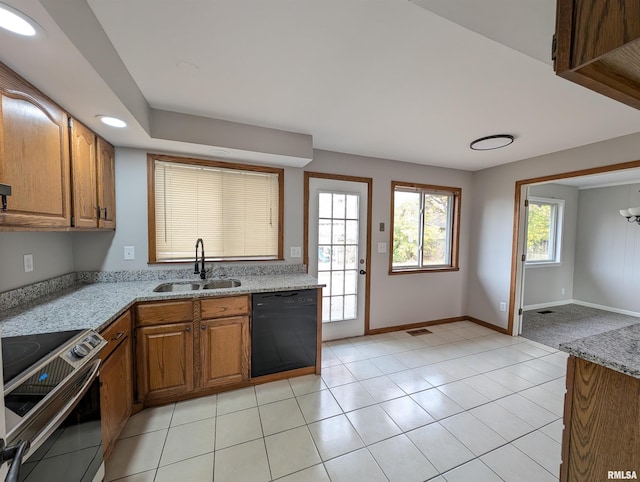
<point>129,252</point>
<point>296,252</point>
<point>382,247</point>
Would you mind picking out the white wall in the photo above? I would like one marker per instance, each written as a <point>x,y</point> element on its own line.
<point>544,284</point>
<point>52,256</point>
<point>492,213</point>
<point>410,298</point>
<point>104,251</point>
<point>608,250</point>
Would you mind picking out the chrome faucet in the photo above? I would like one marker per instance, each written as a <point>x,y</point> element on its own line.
<point>202,270</point>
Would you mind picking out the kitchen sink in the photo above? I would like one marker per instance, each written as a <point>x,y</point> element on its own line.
<point>192,286</point>
<point>221,283</point>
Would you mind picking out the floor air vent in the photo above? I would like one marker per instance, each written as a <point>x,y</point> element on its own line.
<point>421,331</point>
<point>545,312</point>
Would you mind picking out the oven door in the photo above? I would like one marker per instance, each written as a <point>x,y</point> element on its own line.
<point>67,444</point>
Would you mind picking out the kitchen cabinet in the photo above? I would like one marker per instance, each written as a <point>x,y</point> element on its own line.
<point>176,361</point>
<point>34,157</point>
<point>106,173</point>
<point>597,45</point>
<point>164,358</point>
<point>92,175</point>
<point>601,422</point>
<point>224,341</point>
<point>116,380</point>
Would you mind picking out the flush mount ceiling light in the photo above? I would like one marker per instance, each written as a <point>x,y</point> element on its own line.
<point>112,121</point>
<point>17,22</point>
<point>491,142</point>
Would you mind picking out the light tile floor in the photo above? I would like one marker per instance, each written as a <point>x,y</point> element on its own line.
<point>462,403</point>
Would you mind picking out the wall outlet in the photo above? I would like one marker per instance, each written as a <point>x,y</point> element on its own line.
<point>129,252</point>
<point>296,252</point>
<point>503,306</point>
<point>28,263</point>
<point>562,290</point>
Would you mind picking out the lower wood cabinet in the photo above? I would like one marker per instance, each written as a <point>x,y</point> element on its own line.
<point>188,346</point>
<point>224,351</point>
<point>116,377</point>
<point>165,360</point>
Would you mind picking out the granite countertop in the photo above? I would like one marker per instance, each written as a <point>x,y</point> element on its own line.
<point>616,349</point>
<point>96,305</point>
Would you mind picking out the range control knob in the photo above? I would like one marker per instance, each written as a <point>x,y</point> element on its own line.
<point>80,351</point>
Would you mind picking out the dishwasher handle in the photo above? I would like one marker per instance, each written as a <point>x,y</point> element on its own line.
<point>15,453</point>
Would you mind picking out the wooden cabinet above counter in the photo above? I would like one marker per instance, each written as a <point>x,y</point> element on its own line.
<point>60,172</point>
<point>597,45</point>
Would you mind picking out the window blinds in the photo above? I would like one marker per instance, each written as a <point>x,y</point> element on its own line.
<point>235,212</point>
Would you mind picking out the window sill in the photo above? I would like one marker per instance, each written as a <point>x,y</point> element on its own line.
<point>423,270</point>
<point>543,264</point>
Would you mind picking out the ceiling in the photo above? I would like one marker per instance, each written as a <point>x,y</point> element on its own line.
<point>412,81</point>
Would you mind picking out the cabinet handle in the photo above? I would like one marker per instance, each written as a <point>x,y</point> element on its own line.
<point>188,328</point>
<point>105,213</point>
<point>118,336</point>
<point>98,211</point>
<point>203,327</point>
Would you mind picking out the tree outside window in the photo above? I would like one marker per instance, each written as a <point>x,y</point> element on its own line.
<point>544,230</point>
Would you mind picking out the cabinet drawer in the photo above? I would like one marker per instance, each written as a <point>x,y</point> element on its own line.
<point>221,307</point>
<point>115,334</point>
<point>166,312</point>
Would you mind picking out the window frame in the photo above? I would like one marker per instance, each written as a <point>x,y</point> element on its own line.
<point>558,227</point>
<point>454,227</point>
<point>151,210</point>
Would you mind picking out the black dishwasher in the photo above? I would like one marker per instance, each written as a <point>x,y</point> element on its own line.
<point>283,331</point>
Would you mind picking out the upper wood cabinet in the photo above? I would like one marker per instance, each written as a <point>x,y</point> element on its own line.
<point>106,173</point>
<point>93,179</point>
<point>34,156</point>
<point>597,45</point>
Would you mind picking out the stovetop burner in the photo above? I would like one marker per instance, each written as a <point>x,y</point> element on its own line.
<point>21,352</point>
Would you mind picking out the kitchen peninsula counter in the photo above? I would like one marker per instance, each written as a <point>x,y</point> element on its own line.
<point>601,438</point>
<point>96,304</point>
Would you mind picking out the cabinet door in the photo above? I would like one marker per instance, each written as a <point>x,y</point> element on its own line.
<point>116,393</point>
<point>224,348</point>
<point>34,156</point>
<point>164,356</point>
<point>106,185</point>
<point>83,176</point>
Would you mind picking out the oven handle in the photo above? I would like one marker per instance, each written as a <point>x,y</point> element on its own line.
<point>66,410</point>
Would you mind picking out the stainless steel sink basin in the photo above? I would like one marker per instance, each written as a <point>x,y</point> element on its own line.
<point>221,283</point>
<point>184,286</point>
<point>193,286</point>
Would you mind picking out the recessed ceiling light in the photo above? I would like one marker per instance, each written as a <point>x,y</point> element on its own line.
<point>17,22</point>
<point>491,142</point>
<point>112,121</point>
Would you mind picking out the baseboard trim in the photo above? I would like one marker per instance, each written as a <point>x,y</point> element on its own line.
<point>412,326</point>
<point>499,329</point>
<point>551,304</point>
<point>606,308</point>
<point>422,324</point>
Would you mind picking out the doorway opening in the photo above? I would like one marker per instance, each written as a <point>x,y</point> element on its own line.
<point>524,273</point>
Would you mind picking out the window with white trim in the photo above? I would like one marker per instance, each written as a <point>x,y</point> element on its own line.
<point>236,209</point>
<point>544,230</point>
<point>425,227</point>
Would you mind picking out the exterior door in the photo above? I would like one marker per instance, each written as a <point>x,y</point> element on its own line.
<point>338,253</point>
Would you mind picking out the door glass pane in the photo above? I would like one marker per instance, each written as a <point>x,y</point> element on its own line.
<point>338,233</point>
<point>351,257</point>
